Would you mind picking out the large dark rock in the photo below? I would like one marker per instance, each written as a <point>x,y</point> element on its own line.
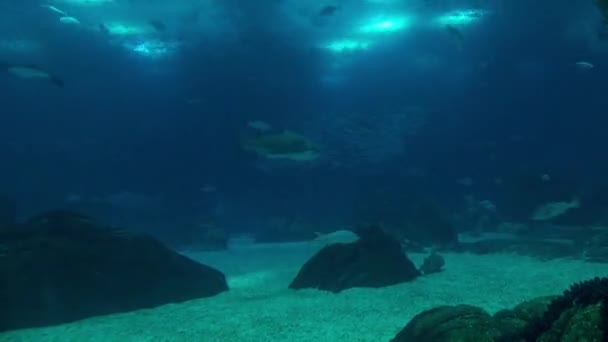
<point>62,267</point>
<point>375,260</point>
<point>472,324</point>
<point>580,314</point>
<point>450,323</point>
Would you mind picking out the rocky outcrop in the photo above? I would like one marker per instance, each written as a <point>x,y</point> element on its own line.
<point>580,314</point>
<point>62,266</point>
<point>432,264</point>
<point>375,260</point>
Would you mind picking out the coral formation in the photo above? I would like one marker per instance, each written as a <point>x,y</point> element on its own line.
<point>563,310</point>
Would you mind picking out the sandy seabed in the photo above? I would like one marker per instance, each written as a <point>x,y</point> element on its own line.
<point>259,307</point>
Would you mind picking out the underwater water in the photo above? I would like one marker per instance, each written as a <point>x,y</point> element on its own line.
<point>292,170</point>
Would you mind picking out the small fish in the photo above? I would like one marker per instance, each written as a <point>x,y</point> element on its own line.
<point>259,125</point>
<point>488,205</point>
<point>30,72</point>
<point>54,9</point>
<point>69,20</point>
<point>584,65</point>
<point>552,210</point>
<point>328,10</point>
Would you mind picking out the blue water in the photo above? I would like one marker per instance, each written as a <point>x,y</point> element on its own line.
<point>151,140</point>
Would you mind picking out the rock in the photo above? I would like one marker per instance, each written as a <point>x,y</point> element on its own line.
<point>463,323</point>
<point>576,324</point>
<point>432,264</point>
<point>512,323</point>
<point>375,260</point>
<point>580,314</point>
<point>533,309</point>
<point>469,323</point>
<point>61,267</point>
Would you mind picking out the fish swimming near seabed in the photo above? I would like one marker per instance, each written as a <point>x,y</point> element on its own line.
<point>549,211</point>
<point>29,72</point>
<point>339,236</point>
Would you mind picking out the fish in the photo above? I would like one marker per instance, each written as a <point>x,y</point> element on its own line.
<point>259,125</point>
<point>328,10</point>
<point>30,71</point>
<point>549,211</point>
<point>584,65</point>
<point>69,20</point>
<point>339,236</point>
<point>54,9</point>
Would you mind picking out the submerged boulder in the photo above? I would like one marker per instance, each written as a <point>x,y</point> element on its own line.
<point>450,323</point>
<point>61,267</point>
<point>375,260</point>
<point>579,314</point>
<point>468,323</point>
<point>432,264</point>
